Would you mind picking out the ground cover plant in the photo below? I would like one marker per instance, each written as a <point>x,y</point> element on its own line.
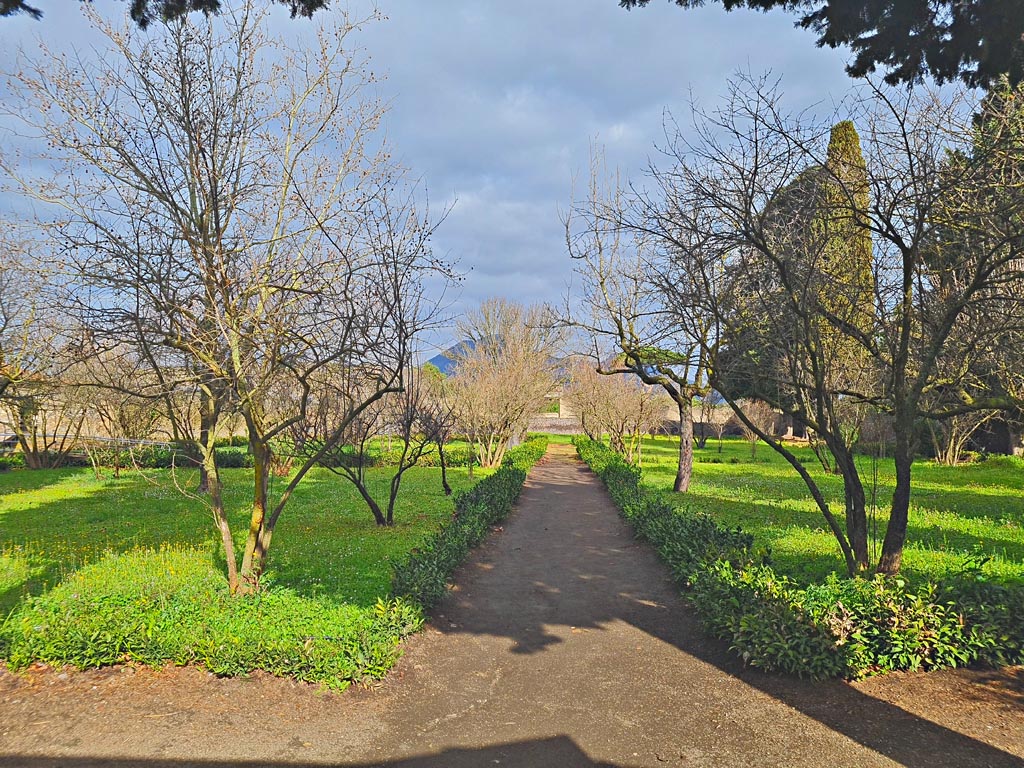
<point>137,574</point>
<point>818,628</point>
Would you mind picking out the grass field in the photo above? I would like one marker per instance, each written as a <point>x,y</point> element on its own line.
<point>957,513</point>
<point>52,522</point>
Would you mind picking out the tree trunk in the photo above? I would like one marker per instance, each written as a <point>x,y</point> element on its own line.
<point>896,531</point>
<point>207,423</point>
<point>856,507</point>
<point>444,469</point>
<point>684,470</point>
<point>258,540</point>
<point>214,489</point>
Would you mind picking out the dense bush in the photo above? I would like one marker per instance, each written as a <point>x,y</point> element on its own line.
<point>423,577</point>
<point>12,461</point>
<point>235,441</point>
<point>233,458</point>
<point>172,606</point>
<point>842,627</point>
<point>159,457</point>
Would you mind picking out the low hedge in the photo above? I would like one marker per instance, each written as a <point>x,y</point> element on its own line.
<point>158,457</point>
<point>172,606</point>
<point>455,456</point>
<point>841,628</point>
<point>423,577</point>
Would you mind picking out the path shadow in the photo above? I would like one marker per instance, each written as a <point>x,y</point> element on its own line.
<point>578,583</point>
<point>554,752</point>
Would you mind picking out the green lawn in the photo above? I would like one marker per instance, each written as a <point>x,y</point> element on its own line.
<point>956,512</point>
<point>53,522</point>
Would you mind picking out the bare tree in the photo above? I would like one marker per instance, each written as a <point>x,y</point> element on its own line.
<point>503,375</point>
<point>741,233</point>
<point>39,410</point>
<point>239,227</point>
<point>714,415</point>
<point>622,407</point>
<point>621,312</point>
<point>438,416</point>
<point>760,421</point>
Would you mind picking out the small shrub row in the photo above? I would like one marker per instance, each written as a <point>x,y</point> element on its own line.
<point>235,441</point>
<point>455,456</point>
<point>172,606</point>
<point>158,457</point>
<point>423,577</point>
<point>842,627</point>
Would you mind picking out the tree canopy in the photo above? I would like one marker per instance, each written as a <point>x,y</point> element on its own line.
<point>144,12</point>
<point>972,40</point>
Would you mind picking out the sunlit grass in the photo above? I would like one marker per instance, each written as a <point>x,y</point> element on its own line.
<point>52,522</point>
<point>957,513</point>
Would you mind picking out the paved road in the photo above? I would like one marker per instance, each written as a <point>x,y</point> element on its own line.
<point>565,645</point>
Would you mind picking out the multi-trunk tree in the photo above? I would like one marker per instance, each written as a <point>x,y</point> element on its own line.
<point>505,370</point>
<point>623,408</point>
<point>229,219</point>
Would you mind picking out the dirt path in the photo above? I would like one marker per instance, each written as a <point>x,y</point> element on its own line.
<point>565,645</point>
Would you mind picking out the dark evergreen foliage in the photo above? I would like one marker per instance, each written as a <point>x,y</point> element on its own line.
<point>972,40</point>
<point>145,12</point>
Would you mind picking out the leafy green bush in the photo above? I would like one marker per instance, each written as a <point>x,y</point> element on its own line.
<point>423,577</point>
<point>881,626</point>
<point>235,441</point>
<point>12,461</point>
<point>233,458</point>
<point>759,612</point>
<point>173,606</point>
<point>842,627</point>
<point>158,457</point>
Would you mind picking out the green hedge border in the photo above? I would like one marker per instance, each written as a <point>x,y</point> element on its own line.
<point>848,628</point>
<point>423,577</point>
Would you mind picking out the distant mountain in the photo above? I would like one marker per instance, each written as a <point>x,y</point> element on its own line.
<point>446,361</point>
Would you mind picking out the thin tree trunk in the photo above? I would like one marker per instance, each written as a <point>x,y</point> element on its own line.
<point>214,489</point>
<point>856,507</point>
<point>444,468</point>
<point>684,469</point>
<point>207,423</point>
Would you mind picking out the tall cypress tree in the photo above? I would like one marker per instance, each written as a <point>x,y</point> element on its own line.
<point>846,259</point>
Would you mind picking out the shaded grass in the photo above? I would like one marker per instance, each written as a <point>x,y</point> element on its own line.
<point>957,513</point>
<point>53,522</point>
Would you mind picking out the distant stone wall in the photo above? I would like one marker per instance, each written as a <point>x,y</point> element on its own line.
<point>554,424</point>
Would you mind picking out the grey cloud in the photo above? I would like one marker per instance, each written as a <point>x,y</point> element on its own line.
<point>495,105</point>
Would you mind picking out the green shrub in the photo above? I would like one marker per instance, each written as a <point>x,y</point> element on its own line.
<point>233,458</point>
<point>880,626</point>
<point>235,441</point>
<point>172,606</point>
<point>842,627</point>
<point>423,576</point>
<point>12,461</point>
<point>760,613</point>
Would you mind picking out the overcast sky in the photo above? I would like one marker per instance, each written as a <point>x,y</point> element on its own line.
<point>494,104</point>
